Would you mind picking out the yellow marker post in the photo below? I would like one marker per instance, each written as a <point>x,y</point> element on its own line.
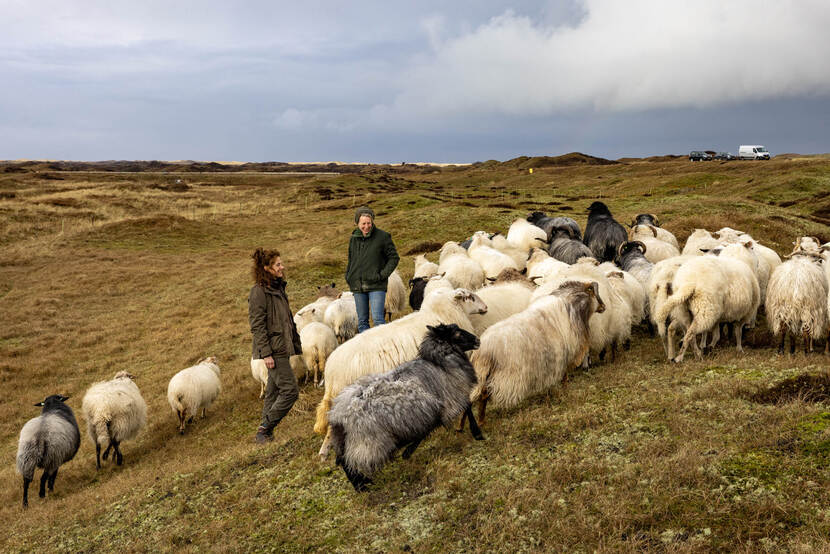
<point>530,171</point>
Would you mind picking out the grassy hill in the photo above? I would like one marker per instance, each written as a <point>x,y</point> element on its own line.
<point>102,272</point>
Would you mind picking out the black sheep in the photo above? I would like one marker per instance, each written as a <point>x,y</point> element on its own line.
<point>416,294</point>
<point>603,234</point>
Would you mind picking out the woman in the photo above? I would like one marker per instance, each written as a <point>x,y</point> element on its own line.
<point>372,259</point>
<point>275,338</point>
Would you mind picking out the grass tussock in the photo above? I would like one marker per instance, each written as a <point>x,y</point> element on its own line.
<point>105,272</point>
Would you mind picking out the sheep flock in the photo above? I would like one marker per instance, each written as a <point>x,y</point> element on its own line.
<point>494,317</point>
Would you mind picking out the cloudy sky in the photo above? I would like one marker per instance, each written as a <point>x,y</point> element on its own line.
<point>387,81</point>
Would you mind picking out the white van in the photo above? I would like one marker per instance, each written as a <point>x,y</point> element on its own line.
<point>752,152</point>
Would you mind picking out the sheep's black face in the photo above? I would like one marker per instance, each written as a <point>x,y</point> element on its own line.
<point>455,335</point>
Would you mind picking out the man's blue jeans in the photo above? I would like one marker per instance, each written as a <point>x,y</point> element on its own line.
<point>362,301</point>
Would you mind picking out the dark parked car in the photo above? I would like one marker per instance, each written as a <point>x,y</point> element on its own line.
<point>699,156</point>
<point>723,156</point>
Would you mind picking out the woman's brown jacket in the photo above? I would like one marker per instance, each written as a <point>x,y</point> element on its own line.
<point>272,324</point>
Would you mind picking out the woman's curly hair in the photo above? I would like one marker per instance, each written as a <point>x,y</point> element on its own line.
<point>262,259</point>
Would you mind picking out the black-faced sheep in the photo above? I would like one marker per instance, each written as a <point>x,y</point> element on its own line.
<point>662,234</point>
<point>114,411</point>
<point>416,292</point>
<point>565,247</point>
<point>379,414</point>
<point>603,234</point>
<point>47,441</point>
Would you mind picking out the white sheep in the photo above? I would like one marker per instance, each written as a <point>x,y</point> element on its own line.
<point>384,347</point>
<point>530,351</point>
<point>396,296</point>
<point>502,300</point>
<point>491,260</point>
<point>193,390</point>
<point>318,342</point>
<point>525,235</point>
<point>656,248</point>
<point>609,328</point>
<point>114,411</point>
<point>658,289</point>
<point>542,267</point>
<point>437,282</point>
<point>712,290</point>
<point>456,266</point>
<point>518,255</point>
<point>700,238</point>
<point>797,300</point>
<point>341,316</point>
<point>315,311</point>
<point>259,371</point>
<point>629,288</point>
<point>424,267</point>
<point>807,244</point>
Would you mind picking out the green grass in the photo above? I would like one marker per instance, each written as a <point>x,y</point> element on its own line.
<point>110,272</point>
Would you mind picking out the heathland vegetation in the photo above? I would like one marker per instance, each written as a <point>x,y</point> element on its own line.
<point>147,269</point>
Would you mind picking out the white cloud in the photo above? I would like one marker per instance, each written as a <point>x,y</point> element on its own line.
<point>634,55</point>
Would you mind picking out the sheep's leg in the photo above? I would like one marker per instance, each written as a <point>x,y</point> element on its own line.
<point>182,417</point>
<point>407,452</point>
<point>357,479</point>
<point>26,492</point>
<point>261,391</point>
<point>586,362</point>
<point>805,335</point>
<point>460,427</point>
<point>602,355</point>
<point>668,340</point>
<point>51,482</point>
<point>792,343</point>
<point>474,428</point>
<point>107,451</point>
<point>43,478</point>
<point>827,345</point>
<point>97,456</point>
<point>715,337</point>
<point>324,449</point>
<point>739,330</point>
<point>482,406</point>
<point>688,338</point>
<point>119,458</point>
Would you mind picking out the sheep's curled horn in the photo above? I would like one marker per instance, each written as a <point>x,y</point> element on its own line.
<point>656,221</point>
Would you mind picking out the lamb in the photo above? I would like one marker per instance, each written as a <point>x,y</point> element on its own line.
<point>424,267</point>
<point>503,300</point>
<point>341,316</point>
<point>525,235</point>
<point>797,300</point>
<point>379,414</point>
<point>549,223</point>
<point>381,348</point>
<point>531,351</point>
<point>712,290</point>
<point>662,234</point>
<point>47,441</point>
<point>699,239</point>
<point>194,389</point>
<point>456,266</point>
<point>318,342</point>
<point>565,247</point>
<point>491,260</point>
<point>603,234</point>
<point>395,295</point>
<point>114,411</point>
<point>657,249</point>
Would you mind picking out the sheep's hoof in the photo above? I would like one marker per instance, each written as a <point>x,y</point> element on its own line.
<point>677,360</point>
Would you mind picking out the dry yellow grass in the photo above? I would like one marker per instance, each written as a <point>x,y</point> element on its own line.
<point>106,272</point>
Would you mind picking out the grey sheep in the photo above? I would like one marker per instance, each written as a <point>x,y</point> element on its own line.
<point>565,247</point>
<point>548,224</point>
<point>379,414</point>
<point>47,441</point>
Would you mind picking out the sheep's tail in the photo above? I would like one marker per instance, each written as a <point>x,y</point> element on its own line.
<point>680,296</point>
<point>101,431</point>
<point>322,422</point>
<point>28,457</point>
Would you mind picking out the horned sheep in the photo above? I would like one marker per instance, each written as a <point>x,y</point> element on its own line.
<point>603,234</point>
<point>524,235</point>
<point>662,234</point>
<point>114,411</point>
<point>47,441</point>
<point>656,248</point>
